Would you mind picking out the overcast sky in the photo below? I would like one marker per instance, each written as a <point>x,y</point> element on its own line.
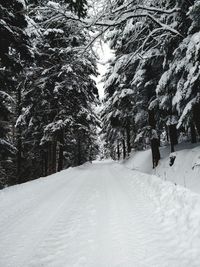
<point>104,54</point>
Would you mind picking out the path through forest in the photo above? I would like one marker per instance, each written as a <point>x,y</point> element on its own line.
<point>99,215</point>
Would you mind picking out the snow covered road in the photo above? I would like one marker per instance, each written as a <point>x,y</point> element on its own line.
<point>99,215</point>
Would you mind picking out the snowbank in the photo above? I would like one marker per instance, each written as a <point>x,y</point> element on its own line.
<point>185,171</point>
<point>178,210</point>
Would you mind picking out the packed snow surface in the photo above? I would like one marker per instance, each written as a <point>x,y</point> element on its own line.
<point>99,215</point>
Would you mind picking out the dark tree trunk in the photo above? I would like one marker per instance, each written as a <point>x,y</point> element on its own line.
<point>60,158</point>
<point>128,138</point>
<point>45,163</point>
<point>155,142</point>
<point>172,149</point>
<point>19,138</point>
<point>155,151</point>
<point>152,121</point>
<point>54,158</point>
<point>19,156</point>
<point>49,157</point>
<point>167,133</point>
<point>79,152</point>
<point>124,148</point>
<point>173,136</point>
<point>193,133</point>
<point>196,117</point>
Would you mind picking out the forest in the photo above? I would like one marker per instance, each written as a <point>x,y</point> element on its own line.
<point>49,100</point>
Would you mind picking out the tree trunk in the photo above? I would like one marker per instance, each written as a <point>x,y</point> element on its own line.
<point>167,133</point>
<point>155,151</point>
<point>172,149</point>
<point>152,121</point>
<point>49,157</point>
<point>173,136</point>
<point>45,163</point>
<point>124,148</point>
<point>60,157</point>
<point>193,133</point>
<point>128,138</point>
<point>19,137</point>
<point>79,151</point>
<point>19,157</point>
<point>155,142</point>
<point>54,158</point>
<point>196,117</point>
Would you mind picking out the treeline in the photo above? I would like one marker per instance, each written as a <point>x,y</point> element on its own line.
<point>47,95</point>
<point>153,83</point>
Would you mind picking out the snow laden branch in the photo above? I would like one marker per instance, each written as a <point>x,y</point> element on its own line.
<point>112,22</point>
<point>114,17</point>
<point>147,8</point>
<point>132,15</point>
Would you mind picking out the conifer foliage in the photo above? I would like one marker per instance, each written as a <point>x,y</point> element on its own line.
<point>79,7</point>
<point>14,51</point>
<point>54,94</point>
<point>152,85</point>
<point>48,97</point>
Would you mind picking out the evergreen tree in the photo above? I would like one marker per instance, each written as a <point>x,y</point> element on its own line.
<point>58,119</point>
<point>14,51</point>
<point>79,7</point>
<point>143,36</point>
<point>178,90</point>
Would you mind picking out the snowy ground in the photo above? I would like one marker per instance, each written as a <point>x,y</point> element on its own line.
<point>185,171</point>
<point>99,215</point>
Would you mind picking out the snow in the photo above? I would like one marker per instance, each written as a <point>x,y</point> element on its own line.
<point>182,87</point>
<point>53,5</point>
<point>185,170</point>
<point>105,54</point>
<point>6,97</point>
<point>186,110</point>
<point>128,30</point>
<point>96,215</point>
<point>172,120</point>
<point>118,95</point>
<point>22,2</point>
<point>67,68</point>
<point>56,31</point>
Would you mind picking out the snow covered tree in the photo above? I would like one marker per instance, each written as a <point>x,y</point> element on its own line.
<point>144,36</point>
<point>58,118</point>
<point>79,7</point>
<point>178,89</point>
<point>14,52</point>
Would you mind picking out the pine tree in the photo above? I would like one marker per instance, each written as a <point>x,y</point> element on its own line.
<point>178,90</point>
<point>143,36</point>
<point>14,52</point>
<point>58,119</point>
<point>79,7</point>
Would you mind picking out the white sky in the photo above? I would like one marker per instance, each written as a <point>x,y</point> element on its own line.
<point>105,54</point>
